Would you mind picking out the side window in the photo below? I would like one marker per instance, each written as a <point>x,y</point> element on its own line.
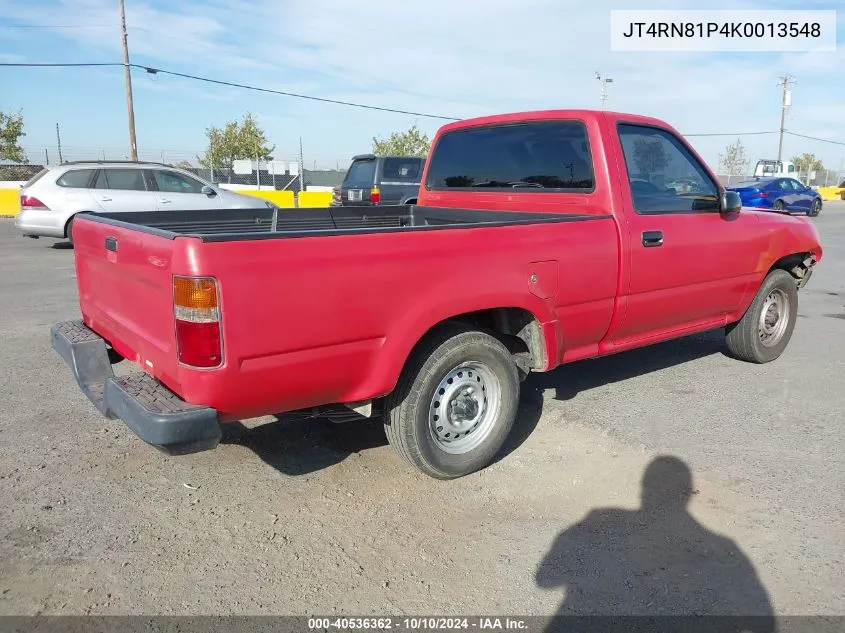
<point>536,156</point>
<point>121,179</point>
<point>790,169</point>
<point>407,170</point>
<point>663,175</point>
<point>173,182</point>
<point>76,178</point>
<point>785,185</point>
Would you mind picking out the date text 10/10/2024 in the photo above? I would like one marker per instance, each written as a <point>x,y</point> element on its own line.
<point>417,624</point>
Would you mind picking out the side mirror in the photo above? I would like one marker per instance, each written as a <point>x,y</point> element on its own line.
<point>731,202</point>
<point>208,191</point>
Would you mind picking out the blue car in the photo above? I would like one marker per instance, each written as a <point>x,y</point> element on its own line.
<point>785,195</point>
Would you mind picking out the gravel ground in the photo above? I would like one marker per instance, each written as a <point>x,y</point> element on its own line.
<point>310,517</point>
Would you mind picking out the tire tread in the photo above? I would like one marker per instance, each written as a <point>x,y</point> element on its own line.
<point>399,413</point>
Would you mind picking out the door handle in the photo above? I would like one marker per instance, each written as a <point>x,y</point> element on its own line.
<point>105,199</point>
<point>164,200</point>
<point>652,238</point>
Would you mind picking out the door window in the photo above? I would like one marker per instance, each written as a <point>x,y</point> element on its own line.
<point>173,182</point>
<point>121,179</point>
<point>663,175</point>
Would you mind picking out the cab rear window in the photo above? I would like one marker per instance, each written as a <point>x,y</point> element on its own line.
<point>533,156</point>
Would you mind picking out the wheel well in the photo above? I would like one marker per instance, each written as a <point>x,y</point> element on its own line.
<point>411,201</point>
<point>517,328</point>
<point>796,264</point>
<point>67,224</point>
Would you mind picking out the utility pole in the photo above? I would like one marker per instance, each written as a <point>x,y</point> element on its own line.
<point>59,143</point>
<point>133,147</point>
<point>301,167</point>
<point>786,101</point>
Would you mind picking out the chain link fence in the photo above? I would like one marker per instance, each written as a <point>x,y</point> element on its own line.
<point>319,173</point>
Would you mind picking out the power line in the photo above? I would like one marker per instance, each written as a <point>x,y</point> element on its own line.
<point>727,134</point>
<point>57,65</point>
<point>58,26</point>
<point>154,71</point>
<point>220,82</point>
<point>816,138</point>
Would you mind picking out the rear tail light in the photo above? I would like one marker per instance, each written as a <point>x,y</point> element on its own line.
<point>762,194</point>
<point>375,195</point>
<point>31,202</point>
<point>196,308</point>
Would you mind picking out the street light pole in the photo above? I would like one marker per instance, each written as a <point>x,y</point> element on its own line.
<point>603,81</point>
<point>127,76</point>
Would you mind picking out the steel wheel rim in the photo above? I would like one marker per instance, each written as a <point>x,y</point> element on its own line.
<point>774,318</point>
<point>464,408</point>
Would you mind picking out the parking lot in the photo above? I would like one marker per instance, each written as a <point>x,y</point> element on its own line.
<point>316,518</point>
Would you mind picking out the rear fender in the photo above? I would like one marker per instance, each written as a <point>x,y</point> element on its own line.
<point>407,332</point>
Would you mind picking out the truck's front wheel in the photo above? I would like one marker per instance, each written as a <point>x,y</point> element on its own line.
<point>455,403</point>
<point>763,332</point>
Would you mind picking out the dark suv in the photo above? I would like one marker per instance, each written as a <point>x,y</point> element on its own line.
<point>380,180</point>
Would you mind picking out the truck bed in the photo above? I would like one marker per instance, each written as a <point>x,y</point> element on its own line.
<point>263,223</point>
<point>347,308</point>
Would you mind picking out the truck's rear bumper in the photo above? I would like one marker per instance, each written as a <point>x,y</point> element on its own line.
<point>153,412</point>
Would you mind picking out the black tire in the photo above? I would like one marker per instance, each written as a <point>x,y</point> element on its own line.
<point>778,206</point>
<point>408,415</point>
<point>816,208</point>
<point>745,339</point>
<point>69,230</point>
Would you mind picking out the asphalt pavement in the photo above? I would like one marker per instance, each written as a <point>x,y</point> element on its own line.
<point>309,517</point>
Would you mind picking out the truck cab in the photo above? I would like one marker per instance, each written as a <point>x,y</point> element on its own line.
<point>769,167</point>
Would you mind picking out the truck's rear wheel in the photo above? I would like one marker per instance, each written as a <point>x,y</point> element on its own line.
<point>455,403</point>
<point>763,332</point>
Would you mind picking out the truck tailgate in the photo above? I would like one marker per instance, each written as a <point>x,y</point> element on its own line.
<point>126,293</point>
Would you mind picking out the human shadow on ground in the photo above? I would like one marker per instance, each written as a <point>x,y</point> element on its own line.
<point>656,560</point>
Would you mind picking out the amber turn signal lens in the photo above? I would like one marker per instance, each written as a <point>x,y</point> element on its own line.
<point>194,292</point>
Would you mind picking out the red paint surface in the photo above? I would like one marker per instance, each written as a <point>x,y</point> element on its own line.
<point>317,320</point>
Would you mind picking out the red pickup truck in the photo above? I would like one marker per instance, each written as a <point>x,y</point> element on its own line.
<point>540,238</point>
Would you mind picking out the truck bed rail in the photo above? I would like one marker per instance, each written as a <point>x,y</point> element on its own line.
<point>263,223</point>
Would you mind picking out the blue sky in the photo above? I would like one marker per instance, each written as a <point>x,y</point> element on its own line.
<point>458,58</point>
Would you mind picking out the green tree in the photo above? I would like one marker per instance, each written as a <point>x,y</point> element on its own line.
<point>650,157</point>
<point>733,160</point>
<point>11,131</point>
<point>807,162</point>
<point>410,143</point>
<point>235,141</point>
